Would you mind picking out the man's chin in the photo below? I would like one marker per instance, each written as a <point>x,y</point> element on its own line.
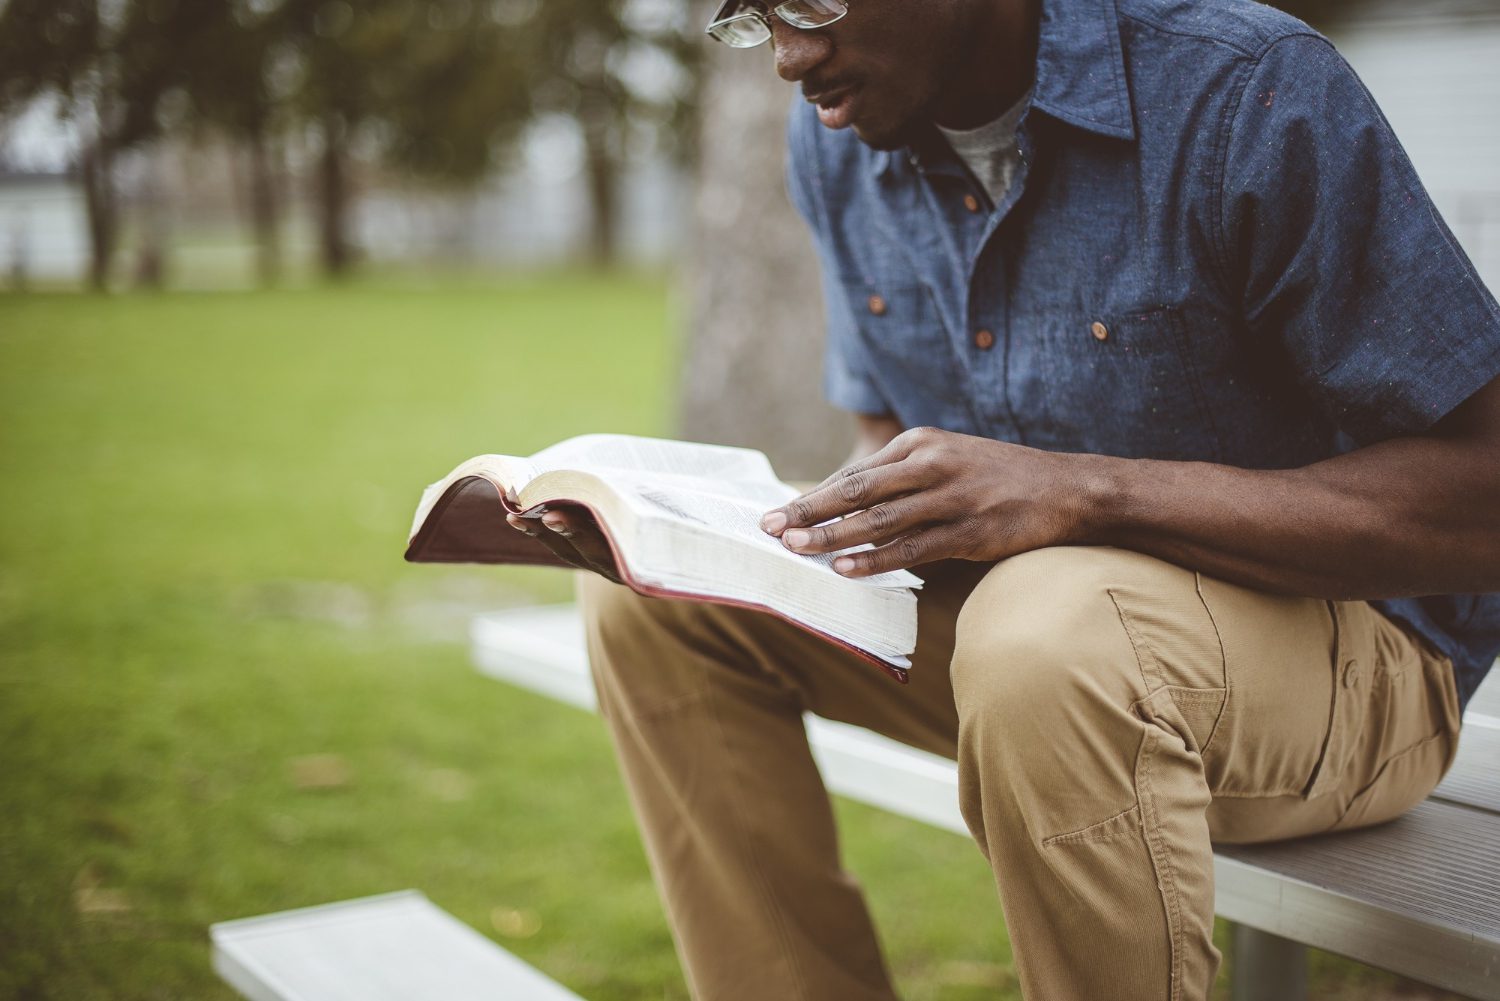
<point>885,138</point>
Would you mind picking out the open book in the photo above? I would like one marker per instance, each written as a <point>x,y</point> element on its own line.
<point>682,520</point>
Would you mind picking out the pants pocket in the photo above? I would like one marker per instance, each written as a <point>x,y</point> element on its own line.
<point>1348,705</point>
<point>1181,659</point>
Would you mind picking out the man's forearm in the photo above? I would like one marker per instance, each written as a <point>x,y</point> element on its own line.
<point>1409,516</point>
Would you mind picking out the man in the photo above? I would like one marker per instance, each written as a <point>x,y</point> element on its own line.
<point>1181,398</point>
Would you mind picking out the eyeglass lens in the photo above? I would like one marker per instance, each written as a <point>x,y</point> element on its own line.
<point>741,28</point>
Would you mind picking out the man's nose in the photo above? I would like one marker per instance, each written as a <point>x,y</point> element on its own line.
<point>797,51</point>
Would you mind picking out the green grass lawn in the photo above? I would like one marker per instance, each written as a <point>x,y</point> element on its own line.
<point>222,692</point>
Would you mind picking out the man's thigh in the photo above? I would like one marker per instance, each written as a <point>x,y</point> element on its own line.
<point>1307,715</point>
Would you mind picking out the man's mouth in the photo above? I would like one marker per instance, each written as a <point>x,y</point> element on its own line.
<point>835,107</point>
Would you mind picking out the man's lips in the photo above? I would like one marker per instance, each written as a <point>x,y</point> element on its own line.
<point>835,106</point>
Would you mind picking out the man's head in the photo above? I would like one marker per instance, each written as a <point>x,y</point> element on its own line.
<point>891,67</point>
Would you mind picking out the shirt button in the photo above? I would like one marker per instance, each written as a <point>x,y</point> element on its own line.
<point>971,203</point>
<point>877,305</point>
<point>1351,674</point>
<point>984,340</point>
<point>1100,331</point>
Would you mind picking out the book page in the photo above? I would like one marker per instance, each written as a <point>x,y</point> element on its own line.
<point>736,517</point>
<point>718,488</point>
<point>713,463</point>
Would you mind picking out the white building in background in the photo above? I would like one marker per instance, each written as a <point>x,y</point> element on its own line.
<point>535,215</point>
<point>1434,68</point>
<point>43,229</point>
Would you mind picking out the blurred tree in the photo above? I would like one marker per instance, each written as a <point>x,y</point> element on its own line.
<point>570,72</point>
<point>64,47</point>
<point>618,67</point>
<point>110,62</point>
<point>225,56</point>
<point>436,89</point>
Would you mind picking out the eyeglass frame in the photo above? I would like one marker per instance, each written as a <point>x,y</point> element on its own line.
<point>764,17</point>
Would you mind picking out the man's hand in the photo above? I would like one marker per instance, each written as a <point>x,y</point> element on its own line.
<point>574,535</point>
<point>931,495</point>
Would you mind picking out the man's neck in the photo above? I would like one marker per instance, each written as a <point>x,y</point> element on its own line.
<point>999,67</point>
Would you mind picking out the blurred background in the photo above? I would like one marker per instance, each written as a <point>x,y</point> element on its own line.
<point>267,267</point>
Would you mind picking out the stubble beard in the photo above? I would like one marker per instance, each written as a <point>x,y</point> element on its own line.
<point>906,130</point>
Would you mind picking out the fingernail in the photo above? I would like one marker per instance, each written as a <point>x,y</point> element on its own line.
<point>559,529</point>
<point>773,522</point>
<point>843,564</point>
<point>796,538</point>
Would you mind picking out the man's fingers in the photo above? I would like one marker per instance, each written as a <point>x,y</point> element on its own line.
<point>561,547</point>
<point>902,554</point>
<point>582,532</point>
<point>573,536</point>
<point>875,525</point>
<point>852,490</point>
<point>893,451</point>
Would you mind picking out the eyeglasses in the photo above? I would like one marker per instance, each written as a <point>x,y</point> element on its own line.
<point>746,27</point>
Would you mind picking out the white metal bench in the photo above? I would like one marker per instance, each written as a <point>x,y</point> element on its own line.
<point>1419,896</point>
<point>394,947</point>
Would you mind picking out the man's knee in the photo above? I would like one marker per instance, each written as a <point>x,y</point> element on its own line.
<point>629,638</point>
<point>640,648</point>
<point>1043,636</point>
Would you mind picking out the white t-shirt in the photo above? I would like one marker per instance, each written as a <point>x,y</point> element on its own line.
<point>990,151</point>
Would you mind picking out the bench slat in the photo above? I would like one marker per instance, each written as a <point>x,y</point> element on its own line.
<point>1486,701</point>
<point>1420,896</point>
<point>393,947</point>
<point>1474,779</point>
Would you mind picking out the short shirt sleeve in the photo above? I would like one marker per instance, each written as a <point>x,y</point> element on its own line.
<point>846,380</point>
<point>1341,256</point>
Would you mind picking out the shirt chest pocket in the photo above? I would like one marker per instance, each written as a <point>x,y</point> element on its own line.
<point>906,352</point>
<point>1127,384</point>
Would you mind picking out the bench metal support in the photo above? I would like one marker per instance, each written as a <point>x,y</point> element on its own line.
<point>1267,967</point>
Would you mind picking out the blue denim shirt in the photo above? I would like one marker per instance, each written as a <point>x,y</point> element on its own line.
<point>1215,250</point>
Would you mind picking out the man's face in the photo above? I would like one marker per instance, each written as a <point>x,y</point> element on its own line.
<point>885,69</point>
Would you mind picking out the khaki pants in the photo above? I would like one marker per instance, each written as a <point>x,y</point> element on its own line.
<point>1111,715</point>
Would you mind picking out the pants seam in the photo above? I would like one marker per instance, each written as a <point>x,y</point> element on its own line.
<point>1161,860</point>
<point>1223,661</point>
<point>1142,651</point>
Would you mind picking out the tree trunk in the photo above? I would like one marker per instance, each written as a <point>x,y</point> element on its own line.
<point>151,213</point>
<point>601,171</point>
<point>333,199</point>
<point>101,202</point>
<point>755,341</point>
<point>265,212</point>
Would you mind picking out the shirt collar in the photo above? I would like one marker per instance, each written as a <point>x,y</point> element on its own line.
<point>1080,68</point>
<point>1080,79</point>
